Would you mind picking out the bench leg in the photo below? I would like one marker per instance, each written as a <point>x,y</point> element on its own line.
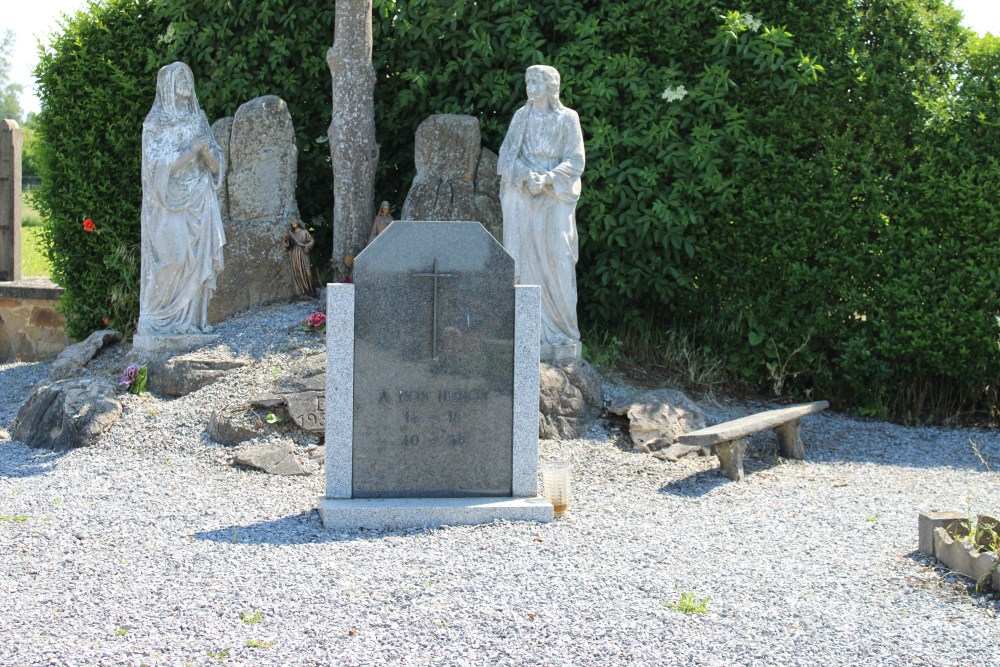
<point>789,441</point>
<point>731,458</point>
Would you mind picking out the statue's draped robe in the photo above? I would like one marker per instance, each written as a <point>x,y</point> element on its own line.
<point>539,231</point>
<point>182,234</point>
<point>300,242</point>
<point>379,225</point>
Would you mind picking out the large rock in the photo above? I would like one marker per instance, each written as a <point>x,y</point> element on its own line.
<point>71,361</point>
<point>456,177</point>
<point>276,459</point>
<point>570,399</point>
<point>657,417</point>
<point>263,162</point>
<point>179,376</point>
<point>66,414</point>
<point>257,270</point>
<point>257,203</point>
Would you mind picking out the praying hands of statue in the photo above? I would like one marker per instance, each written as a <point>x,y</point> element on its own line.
<point>537,182</point>
<point>199,149</point>
<point>203,151</point>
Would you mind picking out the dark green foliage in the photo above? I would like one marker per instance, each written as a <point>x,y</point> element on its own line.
<point>860,264</point>
<point>242,49</point>
<point>96,81</point>
<point>824,229</point>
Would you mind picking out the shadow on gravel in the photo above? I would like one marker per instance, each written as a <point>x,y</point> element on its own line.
<point>304,528</point>
<point>696,485</point>
<point>16,382</point>
<point>18,460</point>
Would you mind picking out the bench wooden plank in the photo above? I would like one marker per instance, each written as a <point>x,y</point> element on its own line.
<point>730,442</point>
<point>744,426</point>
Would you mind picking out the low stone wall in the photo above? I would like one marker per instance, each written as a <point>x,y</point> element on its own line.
<point>30,327</point>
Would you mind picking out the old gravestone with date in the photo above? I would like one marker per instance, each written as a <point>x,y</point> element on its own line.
<point>432,384</point>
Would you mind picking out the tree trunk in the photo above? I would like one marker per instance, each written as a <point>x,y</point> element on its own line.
<point>353,150</point>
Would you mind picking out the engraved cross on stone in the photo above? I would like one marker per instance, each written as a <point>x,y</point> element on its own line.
<point>435,275</point>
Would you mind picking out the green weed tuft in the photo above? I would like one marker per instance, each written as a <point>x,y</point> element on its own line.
<point>221,654</point>
<point>252,619</point>
<point>687,603</point>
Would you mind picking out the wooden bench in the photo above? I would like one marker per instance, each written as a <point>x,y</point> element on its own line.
<point>730,442</point>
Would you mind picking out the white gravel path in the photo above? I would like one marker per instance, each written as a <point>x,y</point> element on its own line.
<point>150,549</point>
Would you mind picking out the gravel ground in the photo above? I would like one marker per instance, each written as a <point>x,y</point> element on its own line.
<point>150,548</point>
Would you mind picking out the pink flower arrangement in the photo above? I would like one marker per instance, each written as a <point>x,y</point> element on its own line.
<point>315,322</point>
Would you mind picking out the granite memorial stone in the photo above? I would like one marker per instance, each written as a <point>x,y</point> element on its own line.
<point>263,162</point>
<point>222,129</point>
<point>432,404</point>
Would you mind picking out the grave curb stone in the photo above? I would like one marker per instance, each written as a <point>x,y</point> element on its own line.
<point>927,522</point>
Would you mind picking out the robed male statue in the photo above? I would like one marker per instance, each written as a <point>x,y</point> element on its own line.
<point>541,161</point>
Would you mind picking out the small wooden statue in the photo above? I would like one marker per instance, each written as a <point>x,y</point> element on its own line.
<point>298,243</point>
<point>382,220</point>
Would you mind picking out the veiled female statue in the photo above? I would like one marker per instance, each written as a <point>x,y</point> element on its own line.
<point>540,164</point>
<point>182,235</point>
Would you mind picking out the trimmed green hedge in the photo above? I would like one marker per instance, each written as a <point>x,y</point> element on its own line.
<point>97,81</point>
<point>861,264</point>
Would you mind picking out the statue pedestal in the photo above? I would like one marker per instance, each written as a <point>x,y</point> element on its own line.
<point>144,345</point>
<point>561,351</point>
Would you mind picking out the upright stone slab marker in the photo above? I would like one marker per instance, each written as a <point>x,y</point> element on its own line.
<point>11,142</point>
<point>432,384</point>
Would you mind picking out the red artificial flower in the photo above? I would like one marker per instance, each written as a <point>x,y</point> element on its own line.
<point>107,320</point>
<point>88,225</point>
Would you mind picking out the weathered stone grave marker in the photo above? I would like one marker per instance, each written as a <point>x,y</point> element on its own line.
<point>432,403</point>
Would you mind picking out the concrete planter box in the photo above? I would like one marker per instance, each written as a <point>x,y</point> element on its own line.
<point>953,546</point>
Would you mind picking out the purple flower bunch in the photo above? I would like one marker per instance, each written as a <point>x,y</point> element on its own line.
<point>129,376</point>
<point>133,378</point>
